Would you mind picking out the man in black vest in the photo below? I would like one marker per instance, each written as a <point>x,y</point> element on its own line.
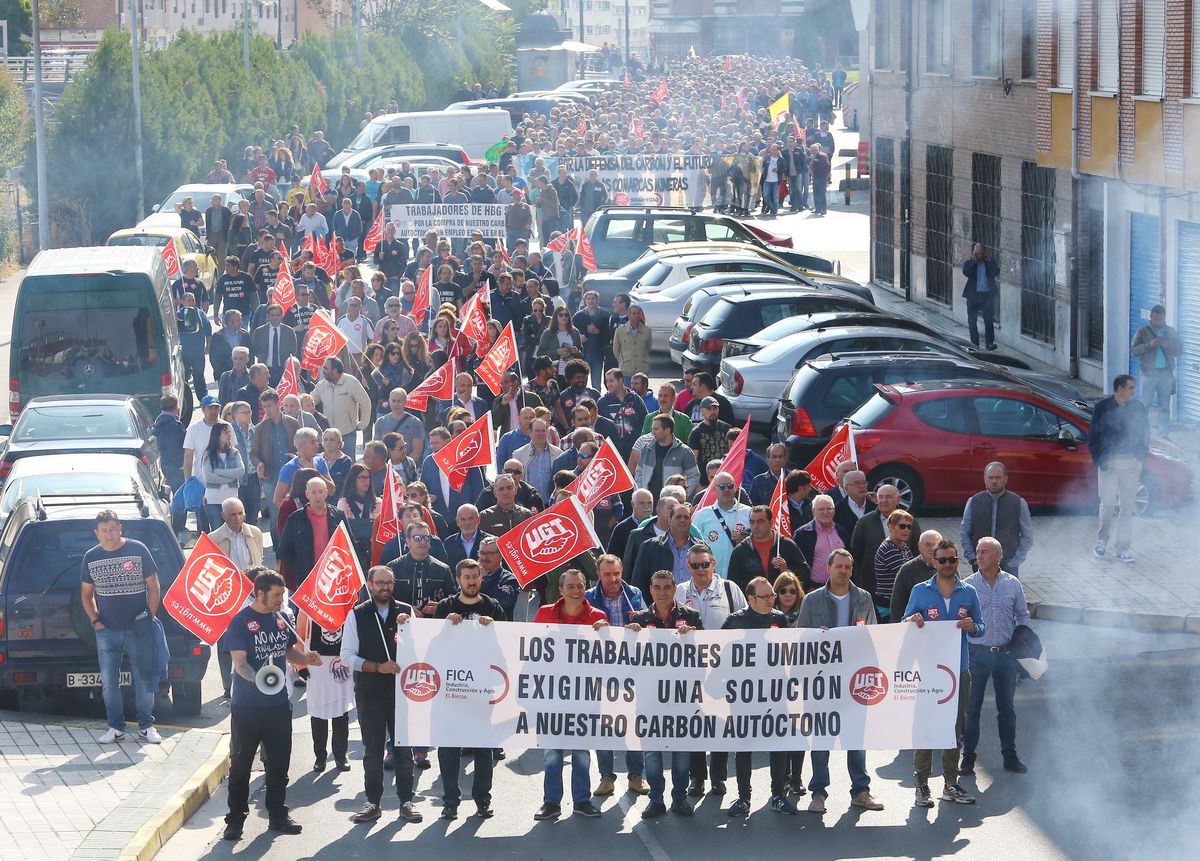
<point>998,513</point>
<point>369,645</point>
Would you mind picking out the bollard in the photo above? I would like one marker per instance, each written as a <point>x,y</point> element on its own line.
<point>846,184</point>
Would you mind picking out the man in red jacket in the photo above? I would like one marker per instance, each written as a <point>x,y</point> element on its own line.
<point>571,609</point>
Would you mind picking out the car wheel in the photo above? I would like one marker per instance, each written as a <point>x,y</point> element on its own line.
<point>1146,500</point>
<point>912,492</point>
<point>186,698</point>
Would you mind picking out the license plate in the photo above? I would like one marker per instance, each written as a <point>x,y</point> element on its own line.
<point>92,680</point>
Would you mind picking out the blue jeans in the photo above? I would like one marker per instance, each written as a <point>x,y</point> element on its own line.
<point>856,764</point>
<point>771,197</point>
<point>1002,670</point>
<point>819,194</point>
<point>111,646</point>
<point>798,190</point>
<point>596,364</point>
<point>1158,383</point>
<point>581,782</point>
<point>350,446</point>
<point>680,765</point>
<point>635,763</point>
<point>985,304</point>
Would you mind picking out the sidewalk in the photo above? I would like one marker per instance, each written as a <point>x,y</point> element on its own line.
<point>63,796</point>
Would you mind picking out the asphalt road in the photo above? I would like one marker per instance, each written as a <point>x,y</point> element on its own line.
<point>1109,735</point>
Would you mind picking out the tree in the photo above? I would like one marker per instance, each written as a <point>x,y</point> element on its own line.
<point>14,122</point>
<point>20,23</point>
<point>60,14</point>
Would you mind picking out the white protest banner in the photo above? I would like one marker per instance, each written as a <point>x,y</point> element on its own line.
<point>674,180</point>
<point>523,685</point>
<point>456,220</point>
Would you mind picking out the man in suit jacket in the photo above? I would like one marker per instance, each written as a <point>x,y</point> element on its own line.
<point>660,554</point>
<point>983,280</point>
<point>464,396</point>
<point>273,343</point>
<point>506,410</point>
<point>442,497</point>
<point>464,544</point>
<point>870,531</point>
<point>217,220</point>
<point>855,502</point>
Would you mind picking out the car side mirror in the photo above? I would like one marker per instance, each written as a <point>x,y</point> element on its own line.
<point>154,208</point>
<point>210,251</point>
<point>1068,439</point>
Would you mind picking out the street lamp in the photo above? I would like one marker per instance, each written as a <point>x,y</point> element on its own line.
<point>135,44</point>
<point>39,130</point>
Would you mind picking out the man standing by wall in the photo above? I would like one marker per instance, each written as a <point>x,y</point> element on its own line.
<point>983,280</point>
<point>1119,440</point>
<point>1157,346</point>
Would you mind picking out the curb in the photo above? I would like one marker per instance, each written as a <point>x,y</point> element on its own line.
<point>1106,617</point>
<point>196,790</point>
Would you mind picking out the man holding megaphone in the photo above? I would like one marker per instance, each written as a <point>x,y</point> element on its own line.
<point>261,643</point>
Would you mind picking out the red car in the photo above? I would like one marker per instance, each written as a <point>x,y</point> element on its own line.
<point>933,440</point>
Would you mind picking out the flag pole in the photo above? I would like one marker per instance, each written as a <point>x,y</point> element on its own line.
<point>778,532</point>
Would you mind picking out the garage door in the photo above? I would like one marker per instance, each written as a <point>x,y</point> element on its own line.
<point>1188,317</point>
<point>1145,275</point>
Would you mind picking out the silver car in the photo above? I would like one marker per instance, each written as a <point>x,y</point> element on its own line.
<point>663,308</point>
<point>754,383</point>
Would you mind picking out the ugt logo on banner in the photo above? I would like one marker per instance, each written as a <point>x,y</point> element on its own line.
<point>208,592</point>
<point>546,540</point>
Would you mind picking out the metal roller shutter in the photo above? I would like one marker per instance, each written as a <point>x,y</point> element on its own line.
<point>1145,275</point>
<point>1108,59</point>
<point>1188,316</point>
<point>1154,32</point>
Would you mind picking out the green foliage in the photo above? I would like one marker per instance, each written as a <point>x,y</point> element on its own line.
<point>19,16</point>
<point>14,132</point>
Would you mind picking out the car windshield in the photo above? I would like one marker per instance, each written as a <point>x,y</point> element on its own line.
<point>140,240</point>
<point>872,412</point>
<point>656,275</point>
<point>68,422</point>
<point>61,483</point>
<point>635,270</point>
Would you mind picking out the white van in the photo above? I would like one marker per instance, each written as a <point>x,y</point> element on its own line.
<point>475,131</point>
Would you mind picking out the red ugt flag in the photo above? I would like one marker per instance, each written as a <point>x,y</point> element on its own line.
<point>474,320</point>
<point>781,515</point>
<point>387,525</point>
<point>501,357</point>
<point>423,301</point>
<point>331,590</point>
<point>170,257</point>
<point>208,592</point>
<point>283,293</point>
<point>604,475</point>
<point>586,251</point>
<point>734,464</point>
<point>318,183</point>
<point>660,92</point>
<point>472,447</point>
<point>547,540</point>
<point>324,340</point>
<point>727,66</point>
<point>439,384</point>
<point>559,244</point>
<point>823,468</point>
<point>374,235</point>
<point>289,383</point>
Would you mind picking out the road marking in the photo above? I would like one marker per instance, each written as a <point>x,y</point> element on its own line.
<point>642,830</point>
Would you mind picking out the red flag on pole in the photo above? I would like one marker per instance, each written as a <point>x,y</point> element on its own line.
<point>331,590</point>
<point>289,383</point>
<point>374,235</point>
<point>472,447</point>
<point>727,66</point>
<point>503,249</point>
<point>310,245</point>
<point>324,340</point>
<point>387,524</point>
<point>501,357</point>
<point>333,258</point>
<point>547,540</point>
<point>639,130</point>
<point>208,592</point>
<point>586,251</point>
<point>559,243</point>
<point>582,130</point>
<point>170,257</point>
<point>823,468</point>
<point>626,78</point>
<point>318,182</point>
<point>423,301</point>
<point>439,384</point>
<point>734,464</point>
<point>283,293</point>
<point>604,475</point>
<point>474,320</point>
<point>781,515</point>
<point>660,92</point>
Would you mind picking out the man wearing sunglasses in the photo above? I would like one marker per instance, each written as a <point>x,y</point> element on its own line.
<point>945,598</point>
<point>725,524</point>
<point>421,580</point>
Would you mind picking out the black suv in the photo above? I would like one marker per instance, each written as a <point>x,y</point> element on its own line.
<point>47,644</point>
<point>825,390</point>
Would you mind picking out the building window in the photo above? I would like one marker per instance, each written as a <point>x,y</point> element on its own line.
<point>985,206</point>
<point>1037,251</point>
<point>939,224</point>
<point>939,37</point>
<point>1154,27</point>
<point>1091,264</point>
<point>985,38</point>
<point>884,245</point>
<point>1195,48</point>
<point>1108,46</point>
<point>1028,39</point>
<point>1066,44</point>
<point>883,34</point>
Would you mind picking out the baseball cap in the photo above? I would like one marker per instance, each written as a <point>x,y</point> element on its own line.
<point>214,401</point>
<point>707,402</point>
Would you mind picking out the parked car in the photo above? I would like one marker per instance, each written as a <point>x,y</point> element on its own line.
<point>47,644</point>
<point>474,132</point>
<point>621,234</point>
<point>85,473</point>
<point>419,166</point>
<point>735,317</point>
<point>933,440</point>
<point>368,158</point>
<point>516,108</point>
<point>164,214</point>
<point>82,423</point>
<point>824,390</point>
<point>187,247</point>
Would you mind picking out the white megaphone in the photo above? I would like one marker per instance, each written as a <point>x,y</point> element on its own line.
<point>269,680</point>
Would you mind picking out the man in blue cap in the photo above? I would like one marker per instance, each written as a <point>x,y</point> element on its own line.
<point>195,441</point>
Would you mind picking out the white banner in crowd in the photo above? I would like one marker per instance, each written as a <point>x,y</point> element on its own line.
<point>668,180</point>
<point>523,685</point>
<point>455,220</point>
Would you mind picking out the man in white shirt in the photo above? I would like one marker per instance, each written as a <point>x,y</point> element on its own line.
<point>724,525</point>
<point>313,222</point>
<point>355,326</point>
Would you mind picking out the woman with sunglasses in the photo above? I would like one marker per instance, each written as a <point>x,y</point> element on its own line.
<point>890,557</point>
<point>533,325</point>
<point>788,596</point>
<point>416,356</point>
<point>392,374</point>
<point>561,341</point>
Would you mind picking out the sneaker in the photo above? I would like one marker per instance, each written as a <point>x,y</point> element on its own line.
<point>637,786</point>
<point>718,787</point>
<point>696,788</point>
<point>1099,549</point>
<point>587,809</point>
<point>369,813</point>
<point>113,735</point>
<point>483,809</point>
<point>799,789</point>
<point>605,788</point>
<point>817,805</point>
<point>450,811</point>
<point>548,811</point>
<point>149,735</point>
<point>422,762</point>
<point>654,810</point>
<point>740,808</point>
<point>924,798</point>
<point>866,801</point>
<point>967,766</point>
<point>780,804</point>
<point>1126,557</point>
<point>681,807</point>
<point>1014,764</point>
<point>955,793</point>
<point>287,825</point>
<point>409,812</point>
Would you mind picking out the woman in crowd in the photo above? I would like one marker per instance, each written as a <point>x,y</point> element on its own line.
<point>890,558</point>
<point>788,595</point>
<point>223,468</point>
<point>561,340</point>
<point>532,327</point>
<point>361,506</point>
<point>416,356</point>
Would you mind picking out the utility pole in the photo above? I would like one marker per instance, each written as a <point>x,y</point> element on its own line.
<point>626,34</point>
<point>246,35</point>
<point>139,180</point>
<point>358,33</point>
<point>39,128</point>
<point>582,38</point>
